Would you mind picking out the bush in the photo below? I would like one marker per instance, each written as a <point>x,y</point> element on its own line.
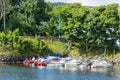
<point>23,45</point>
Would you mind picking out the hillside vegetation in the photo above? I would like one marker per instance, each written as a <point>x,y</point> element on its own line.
<point>87,30</point>
<point>14,45</point>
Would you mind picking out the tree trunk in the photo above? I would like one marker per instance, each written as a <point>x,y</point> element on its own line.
<point>87,47</point>
<point>105,50</point>
<point>69,44</point>
<point>113,53</point>
<point>1,6</point>
<point>1,16</point>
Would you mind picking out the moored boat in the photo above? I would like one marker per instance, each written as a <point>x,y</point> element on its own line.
<point>41,62</point>
<point>70,62</point>
<point>84,65</point>
<point>29,62</point>
<point>55,62</point>
<point>100,64</point>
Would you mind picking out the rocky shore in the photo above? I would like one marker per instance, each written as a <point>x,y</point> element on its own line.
<point>13,59</point>
<point>20,59</point>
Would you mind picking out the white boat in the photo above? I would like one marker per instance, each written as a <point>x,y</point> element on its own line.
<point>100,64</point>
<point>70,62</point>
<point>62,62</point>
<point>55,62</point>
<point>84,65</point>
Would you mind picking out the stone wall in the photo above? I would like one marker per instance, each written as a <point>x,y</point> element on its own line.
<point>13,59</point>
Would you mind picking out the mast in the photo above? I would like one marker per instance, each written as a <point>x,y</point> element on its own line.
<point>4,14</point>
<point>59,34</point>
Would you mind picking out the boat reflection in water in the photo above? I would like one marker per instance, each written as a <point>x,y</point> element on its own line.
<point>101,70</point>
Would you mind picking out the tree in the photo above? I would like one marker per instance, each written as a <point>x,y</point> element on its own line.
<point>23,19</point>
<point>89,33</point>
<point>110,22</point>
<point>91,26</point>
<point>15,3</point>
<point>39,13</point>
<point>6,8</point>
<point>67,21</point>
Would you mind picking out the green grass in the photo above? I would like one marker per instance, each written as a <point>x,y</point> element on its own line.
<point>55,46</point>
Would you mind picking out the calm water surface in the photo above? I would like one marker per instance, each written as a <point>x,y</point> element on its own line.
<point>10,72</point>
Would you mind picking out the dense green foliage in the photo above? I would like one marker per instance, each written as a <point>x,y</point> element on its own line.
<point>88,28</point>
<point>93,28</point>
<point>12,41</point>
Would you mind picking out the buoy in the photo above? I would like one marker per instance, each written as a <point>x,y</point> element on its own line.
<point>112,74</point>
<point>84,73</point>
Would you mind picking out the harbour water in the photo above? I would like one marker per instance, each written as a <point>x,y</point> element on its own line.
<point>13,72</point>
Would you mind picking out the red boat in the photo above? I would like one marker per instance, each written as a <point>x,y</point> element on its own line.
<point>33,63</point>
<point>39,63</point>
<point>28,62</point>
